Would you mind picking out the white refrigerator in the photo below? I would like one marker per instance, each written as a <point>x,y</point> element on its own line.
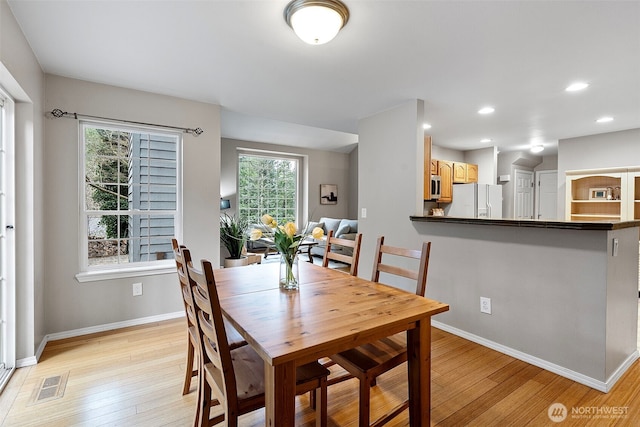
<point>476,201</point>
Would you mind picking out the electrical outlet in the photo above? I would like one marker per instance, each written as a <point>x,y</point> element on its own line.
<point>364,213</point>
<point>137,289</point>
<point>485,305</point>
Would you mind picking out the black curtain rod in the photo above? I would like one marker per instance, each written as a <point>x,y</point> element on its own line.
<point>57,113</point>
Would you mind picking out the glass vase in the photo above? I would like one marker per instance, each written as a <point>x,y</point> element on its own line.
<point>289,273</point>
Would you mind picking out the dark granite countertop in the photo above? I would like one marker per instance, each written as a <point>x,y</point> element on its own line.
<point>532,223</point>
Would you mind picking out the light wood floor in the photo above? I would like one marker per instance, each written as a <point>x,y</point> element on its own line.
<point>133,377</point>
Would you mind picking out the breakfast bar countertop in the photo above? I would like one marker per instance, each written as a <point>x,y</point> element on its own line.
<point>530,223</point>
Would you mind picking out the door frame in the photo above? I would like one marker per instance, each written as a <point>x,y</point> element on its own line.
<point>7,241</point>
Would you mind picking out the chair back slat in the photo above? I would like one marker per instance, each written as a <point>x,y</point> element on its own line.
<point>213,338</point>
<point>420,276</point>
<point>352,260</point>
<point>185,287</point>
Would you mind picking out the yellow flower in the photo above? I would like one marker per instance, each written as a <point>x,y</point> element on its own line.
<point>317,233</point>
<point>256,234</point>
<point>290,229</point>
<point>267,219</point>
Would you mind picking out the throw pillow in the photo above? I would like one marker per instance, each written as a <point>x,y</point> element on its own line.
<point>330,224</point>
<point>343,228</point>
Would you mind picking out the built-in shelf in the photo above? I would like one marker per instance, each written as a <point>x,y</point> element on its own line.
<point>603,216</point>
<point>596,196</point>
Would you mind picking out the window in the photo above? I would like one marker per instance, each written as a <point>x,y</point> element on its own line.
<point>268,184</point>
<point>130,196</point>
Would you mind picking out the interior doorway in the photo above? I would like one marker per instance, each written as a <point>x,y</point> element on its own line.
<point>546,195</point>
<point>523,198</point>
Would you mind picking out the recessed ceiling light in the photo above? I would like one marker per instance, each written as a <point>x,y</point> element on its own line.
<point>537,148</point>
<point>485,140</point>
<point>486,110</point>
<point>604,119</point>
<point>574,87</point>
<point>426,126</point>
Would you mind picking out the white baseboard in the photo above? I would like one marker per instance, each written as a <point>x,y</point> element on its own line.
<point>603,386</point>
<point>92,330</point>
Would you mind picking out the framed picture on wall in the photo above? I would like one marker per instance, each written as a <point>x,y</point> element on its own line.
<point>328,194</point>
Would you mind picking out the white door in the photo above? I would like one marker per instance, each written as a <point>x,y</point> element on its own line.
<point>7,243</point>
<point>523,199</point>
<point>547,195</point>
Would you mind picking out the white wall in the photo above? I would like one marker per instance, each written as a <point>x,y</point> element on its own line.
<point>605,150</point>
<point>323,167</point>
<point>391,167</point>
<point>442,153</point>
<point>487,161</point>
<point>22,77</point>
<point>72,305</point>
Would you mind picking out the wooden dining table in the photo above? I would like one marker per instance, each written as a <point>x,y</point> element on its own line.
<point>330,312</point>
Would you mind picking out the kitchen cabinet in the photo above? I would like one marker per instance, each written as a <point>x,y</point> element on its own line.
<point>445,170</point>
<point>472,172</point>
<point>464,173</point>
<point>434,167</point>
<point>597,195</point>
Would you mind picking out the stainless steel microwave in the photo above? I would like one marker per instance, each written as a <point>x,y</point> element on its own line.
<point>436,187</point>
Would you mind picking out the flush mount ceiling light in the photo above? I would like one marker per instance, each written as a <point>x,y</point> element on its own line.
<point>574,87</point>
<point>537,148</point>
<point>316,21</point>
<point>485,140</point>
<point>486,110</point>
<point>426,126</point>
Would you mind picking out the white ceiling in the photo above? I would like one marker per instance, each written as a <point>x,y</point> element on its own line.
<point>457,56</point>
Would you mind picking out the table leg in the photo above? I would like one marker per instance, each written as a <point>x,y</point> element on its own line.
<point>419,370</point>
<point>280,394</point>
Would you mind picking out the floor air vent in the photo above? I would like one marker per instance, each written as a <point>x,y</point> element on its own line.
<point>50,388</point>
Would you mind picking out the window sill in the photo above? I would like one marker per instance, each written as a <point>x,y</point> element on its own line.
<point>148,270</point>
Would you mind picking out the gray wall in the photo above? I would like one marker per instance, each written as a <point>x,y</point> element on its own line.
<point>391,167</point>
<point>556,295</point>
<point>72,305</point>
<point>487,161</point>
<point>322,167</point>
<point>605,150</point>
<point>22,77</point>
<point>353,183</point>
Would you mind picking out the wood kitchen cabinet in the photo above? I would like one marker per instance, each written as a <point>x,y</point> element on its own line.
<point>464,172</point>
<point>445,170</point>
<point>472,172</point>
<point>459,172</point>
<point>434,167</point>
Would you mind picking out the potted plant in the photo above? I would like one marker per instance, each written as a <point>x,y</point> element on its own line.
<point>233,234</point>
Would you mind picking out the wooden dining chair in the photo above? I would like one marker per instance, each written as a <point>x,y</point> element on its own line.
<point>182,260</point>
<point>368,361</point>
<point>351,260</point>
<point>235,378</point>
